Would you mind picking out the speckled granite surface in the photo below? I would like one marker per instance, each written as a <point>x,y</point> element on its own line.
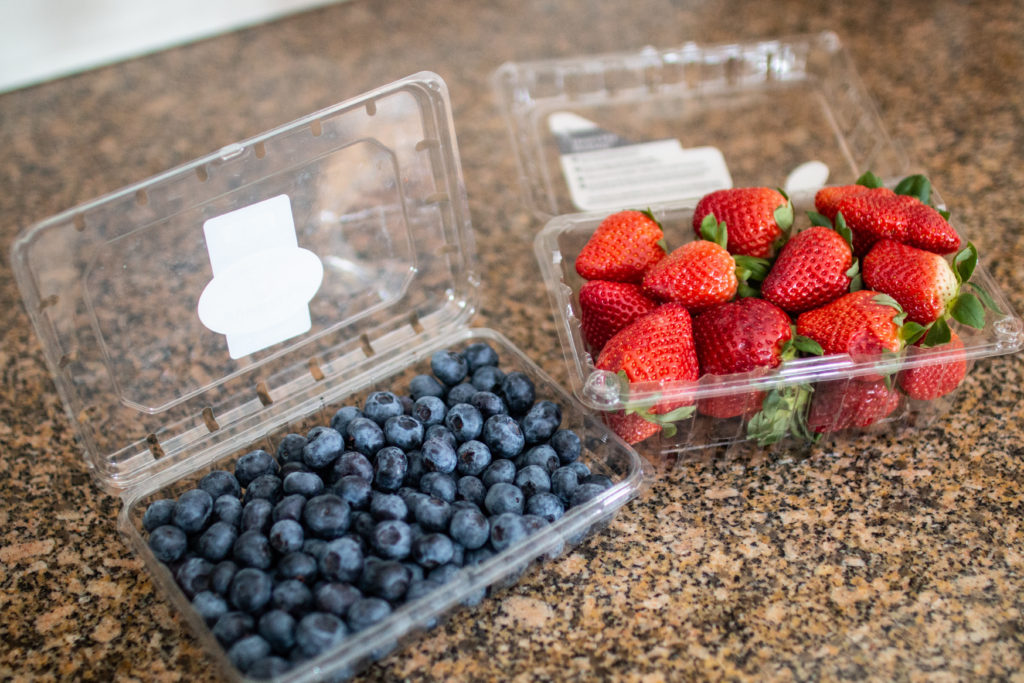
<point>893,558</point>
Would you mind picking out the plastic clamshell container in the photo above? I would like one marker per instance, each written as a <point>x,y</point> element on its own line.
<point>788,113</point>
<point>212,309</point>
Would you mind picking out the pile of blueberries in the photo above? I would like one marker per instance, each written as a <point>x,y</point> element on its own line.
<point>289,554</point>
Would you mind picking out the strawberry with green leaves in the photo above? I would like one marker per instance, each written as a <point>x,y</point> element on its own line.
<point>606,307</point>
<point>827,199</point>
<point>815,266</point>
<point>743,336</point>
<point>758,218</point>
<point>864,324</point>
<point>655,349</point>
<point>844,404</point>
<point>622,248</point>
<point>936,379</point>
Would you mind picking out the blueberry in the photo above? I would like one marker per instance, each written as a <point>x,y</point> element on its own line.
<point>432,550</point>
<point>326,516</point>
<point>352,463</point>
<point>412,498</point>
<point>506,530</point>
<point>503,497</point>
<point>439,431</point>
<point>545,505</point>
<point>366,436</point>
<point>585,492</point>
<point>252,549</point>
<point>380,405</point>
<point>220,577</point>
<point>290,448</point>
<point>458,554</point>
<point>518,392</point>
<point>567,445</point>
<point>403,431</point>
<point>488,404</point>
<point>228,509</point>
<point>158,514</point>
<point>387,506</point>
<point>479,354</point>
<point>541,455</point>
<point>354,490</point>
<point>420,588</point>
<point>386,579</point>
<point>323,448</point>
<point>472,457</point>
<point>293,466</point>
<point>277,627</point>
<point>250,590</point>
<point>464,421</point>
<point>469,528</point>
<point>268,667</point>
<point>289,507</point>
<point>433,514</point>
<point>500,470</point>
<point>192,510</point>
<point>449,367</point>
<point>503,436</point>
<point>438,456</point>
<point>286,536</point>
<point>460,393</point>
<point>425,385</point>
<point>210,606</point>
<point>602,480</point>
<point>216,542</point>
<point>390,468</point>
<point>342,560</point>
<point>443,574</point>
<point>219,483</point>
<point>581,469</point>
<point>335,597</point>
<point>232,626</point>
<point>416,572</point>
<point>534,523</point>
<point>314,547</point>
<point>300,565</point>
<point>563,482</point>
<point>168,543</point>
<point>391,539</point>
<point>366,612</point>
<point>429,410</point>
<point>342,418</point>
<point>268,486</point>
<point>478,556</point>
<point>488,378</point>
<point>193,576</point>
<point>471,489</point>
<point>414,467</point>
<point>291,595</point>
<point>246,651</point>
<point>318,632</point>
<point>541,421</point>
<point>533,479</point>
<point>363,524</point>
<point>308,484</point>
<point>254,464</point>
<point>439,485</point>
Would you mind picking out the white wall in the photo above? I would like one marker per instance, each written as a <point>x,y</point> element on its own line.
<point>44,39</point>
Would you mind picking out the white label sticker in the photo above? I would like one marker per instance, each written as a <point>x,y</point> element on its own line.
<point>262,280</point>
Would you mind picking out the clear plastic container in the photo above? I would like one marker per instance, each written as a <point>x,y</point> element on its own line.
<point>601,133</point>
<point>212,309</point>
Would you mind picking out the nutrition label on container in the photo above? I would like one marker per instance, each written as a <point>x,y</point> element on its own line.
<point>604,171</point>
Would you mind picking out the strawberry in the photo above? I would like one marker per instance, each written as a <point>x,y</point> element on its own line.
<point>827,199</point>
<point>861,323</point>
<point>655,348</point>
<point>758,218</point>
<point>922,282</point>
<point>739,337</point>
<point>841,404</point>
<point>606,307</point>
<point>814,267</point>
<point>881,213</point>
<point>698,274</point>
<point>927,382</point>
<point>622,247</point>
<point>631,427</point>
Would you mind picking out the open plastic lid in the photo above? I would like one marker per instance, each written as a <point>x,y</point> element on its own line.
<point>241,290</point>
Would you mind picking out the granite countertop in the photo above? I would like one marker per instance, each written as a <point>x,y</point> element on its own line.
<point>884,558</point>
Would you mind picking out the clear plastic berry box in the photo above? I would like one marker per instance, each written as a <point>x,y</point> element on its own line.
<point>209,311</point>
<point>658,129</point>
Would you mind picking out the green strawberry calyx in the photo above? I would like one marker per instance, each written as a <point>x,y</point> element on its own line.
<point>783,411</point>
<point>663,243</point>
<point>667,421</point>
<point>783,214</point>
<point>967,306</point>
<point>713,231</point>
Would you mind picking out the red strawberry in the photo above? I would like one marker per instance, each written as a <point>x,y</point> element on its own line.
<point>922,282</point>
<point>861,323</point>
<point>631,427</point>
<point>841,404</point>
<point>622,247</point>
<point>606,307</point>
<point>698,274</point>
<point>656,348</point>
<point>827,199</point>
<point>812,269</point>
<point>927,382</point>
<point>880,213</point>
<point>740,336</point>
<point>757,218</point>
